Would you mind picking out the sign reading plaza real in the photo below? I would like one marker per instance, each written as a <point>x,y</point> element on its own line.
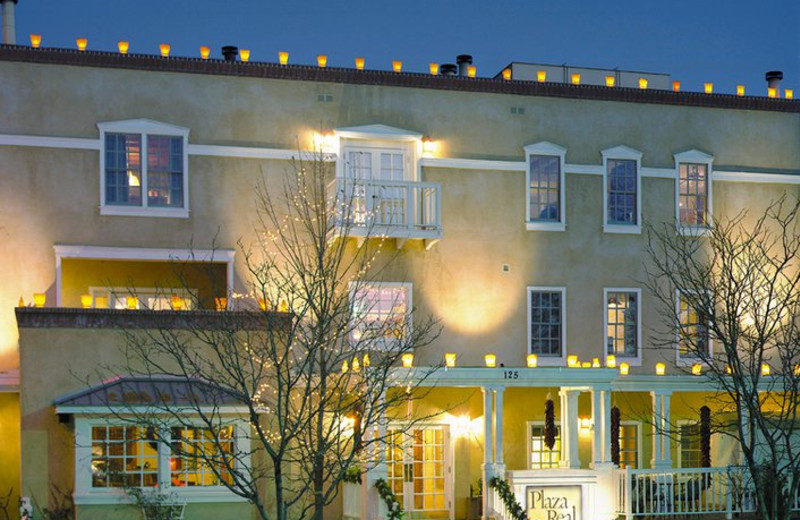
<point>554,502</point>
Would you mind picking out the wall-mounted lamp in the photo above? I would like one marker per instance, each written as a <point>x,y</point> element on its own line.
<point>585,425</point>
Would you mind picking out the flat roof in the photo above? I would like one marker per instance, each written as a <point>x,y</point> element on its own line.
<point>269,70</point>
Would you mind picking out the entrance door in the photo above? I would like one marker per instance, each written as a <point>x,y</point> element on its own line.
<point>419,471</point>
<point>378,186</point>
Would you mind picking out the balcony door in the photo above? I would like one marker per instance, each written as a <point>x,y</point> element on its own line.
<point>419,471</point>
<point>376,184</point>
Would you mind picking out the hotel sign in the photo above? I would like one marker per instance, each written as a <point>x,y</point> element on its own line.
<point>554,502</point>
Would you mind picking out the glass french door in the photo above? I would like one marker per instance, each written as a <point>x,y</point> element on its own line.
<point>419,471</point>
<point>378,185</point>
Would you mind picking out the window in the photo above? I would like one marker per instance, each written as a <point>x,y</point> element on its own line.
<point>542,457</point>
<point>622,192</point>
<point>623,331</point>
<point>545,187</point>
<point>693,191</point>
<point>114,455</point>
<point>381,313</point>
<point>143,169</point>
<point>629,445</point>
<point>546,324</point>
<point>693,335</point>
<point>690,454</point>
<point>143,298</point>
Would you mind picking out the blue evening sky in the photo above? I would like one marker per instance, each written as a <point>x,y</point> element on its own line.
<point>723,41</point>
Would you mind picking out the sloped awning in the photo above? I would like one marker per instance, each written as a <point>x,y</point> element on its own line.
<point>156,391</point>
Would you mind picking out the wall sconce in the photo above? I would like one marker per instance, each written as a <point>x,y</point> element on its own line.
<point>263,304</point>
<point>596,363</point>
<point>611,81</point>
<point>611,361</point>
<point>322,61</point>
<point>472,71</point>
<point>772,92</point>
<point>740,90</point>
<point>39,299</point>
<point>624,369</point>
<point>360,63</point>
<point>642,83</point>
<point>283,57</point>
<point>533,360</point>
<point>164,48</point>
<point>204,52</point>
<point>576,79</point>
<point>36,40</point>
<point>462,426</point>
<point>507,74</point>
<point>177,303</point>
<point>585,425</point>
<point>132,303</point>
<point>490,360</point>
<point>429,146</point>
<point>434,69</point>
<point>572,361</point>
<point>86,301</point>
<point>356,365</point>
<point>408,360</point>
<point>345,367</point>
<point>365,360</point>
<point>541,76</point>
<point>765,369</point>
<point>101,302</point>
<point>708,88</point>
<point>661,369</point>
<point>244,54</point>
<point>788,93</point>
<point>123,46</point>
<point>450,359</point>
<point>325,142</point>
<point>676,86</point>
<point>81,43</point>
<point>697,369</point>
<point>221,304</point>
<point>397,65</point>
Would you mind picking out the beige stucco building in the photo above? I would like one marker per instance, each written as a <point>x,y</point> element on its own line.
<point>523,205</point>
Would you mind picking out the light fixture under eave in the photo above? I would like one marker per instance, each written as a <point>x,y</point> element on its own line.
<point>429,146</point>
<point>450,359</point>
<point>205,52</point>
<point>325,142</point>
<point>661,369</point>
<point>81,43</point>
<point>36,40</point>
<point>164,49</point>
<point>408,360</point>
<point>490,360</point>
<point>360,62</point>
<point>532,360</point>
<point>123,46</point>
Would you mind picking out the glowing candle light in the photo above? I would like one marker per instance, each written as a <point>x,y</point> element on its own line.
<point>676,86</point>
<point>772,92</point>
<point>39,299</point>
<point>86,301</point>
<point>472,71</point>
<point>204,52</point>
<point>177,303</point>
<point>283,57</point>
<point>740,90</point>
<point>434,69</point>
<point>490,360</point>
<point>131,302</point>
<point>221,303</point>
<point>397,66</point>
<point>642,83</point>
<point>576,79</point>
<point>661,369</point>
<point>697,369</point>
<point>450,359</point>
<point>541,76</point>
<point>408,360</point>
<point>533,360</point>
<point>507,74</point>
<point>572,361</point>
<point>36,40</point>
<point>788,93</point>
<point>596,363</point>
<point>81,43</point>
<point>624,369</point>
<point>356,365</point>
<point>611,361</point>
<point>345,367</point>
<point>611,81</point>
<point>766,369</point>
<point>360,62</point>
<point>322,61</point>
<point>263,304</point>
<point>244,54</point>
<point>365,360</point>
<point>123,46</point>
<point>708,88</point>
<point>164,48</point>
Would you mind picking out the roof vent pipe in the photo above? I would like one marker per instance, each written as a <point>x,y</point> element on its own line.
<point>9,31</point>
<point>464,61</point>
<point>774,78</point>
<point>229,52</point>
<point>448,69</point>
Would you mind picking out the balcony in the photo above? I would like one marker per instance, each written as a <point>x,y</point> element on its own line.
<point>402,210</point>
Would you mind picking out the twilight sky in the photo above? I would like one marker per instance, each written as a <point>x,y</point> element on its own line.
<point>723,41</point>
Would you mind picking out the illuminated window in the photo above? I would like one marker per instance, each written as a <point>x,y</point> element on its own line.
<point>145,297</point>
<point>622,190</point>
<point>690,454</point>
<point>629,445</point>
<point>199,457</point>
<point>381,314</point>
<point>542,457</point>
<point>693,196</point>
<point>622,322</point>
<point>546,318</point>
<point>124,456</point>
<point>143,169</point>
<point>545,191</point>
<point>693,335</point>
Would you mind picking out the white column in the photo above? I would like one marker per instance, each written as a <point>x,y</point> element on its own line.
<point>569,428</point>
<point>601,417</point>
<point>487,466</point>
<point>498,426</point>
<point>606,397</point>
<point>662,457</point>
<point>666,448</point>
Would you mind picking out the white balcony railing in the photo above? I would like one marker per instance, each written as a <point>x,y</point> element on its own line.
<point>683,491</point>
<point>398,209</point>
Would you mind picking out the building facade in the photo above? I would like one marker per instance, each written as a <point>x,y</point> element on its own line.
<point>522,213</point>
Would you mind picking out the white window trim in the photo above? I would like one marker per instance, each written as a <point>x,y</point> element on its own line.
<point>86,494</point>
<point>529,445</point>
<point>622,153</point>
<point>634,361</point>
<point>683,361</point>
<point>143,127</point>
<point>356,285</point>
<point>693,157</point>
<point>638,425</point>
<point>380,137</point>
<point>549,361</point>
<point>374,147</point>
<point>546,148</point>
<point>678,451</point>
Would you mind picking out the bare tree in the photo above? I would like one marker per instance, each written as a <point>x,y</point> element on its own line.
<point>730,300</point>
<point>314,372</point>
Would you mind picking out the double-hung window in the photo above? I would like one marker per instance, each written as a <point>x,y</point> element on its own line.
<point>547,324</point>
<point>381,316</point>
<point>622,194</point>
<point>540,456</point>
<point>689,454</point>
<point>693,191</point>
<point>545,187</point>
<point>693,339</point>
<point>629,443</point>
<point>622,323</point>
<point>143,169</point>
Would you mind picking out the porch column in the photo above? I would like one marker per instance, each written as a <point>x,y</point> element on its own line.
<point>498,427</point>
<point>569,428</point>
<point>662,457</point>
<point>487,466</point>
<point>372,503</point>
<point>601,417</point>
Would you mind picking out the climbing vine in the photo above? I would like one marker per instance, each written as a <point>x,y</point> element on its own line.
<point>395,511</point>
<point>508,498</point>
